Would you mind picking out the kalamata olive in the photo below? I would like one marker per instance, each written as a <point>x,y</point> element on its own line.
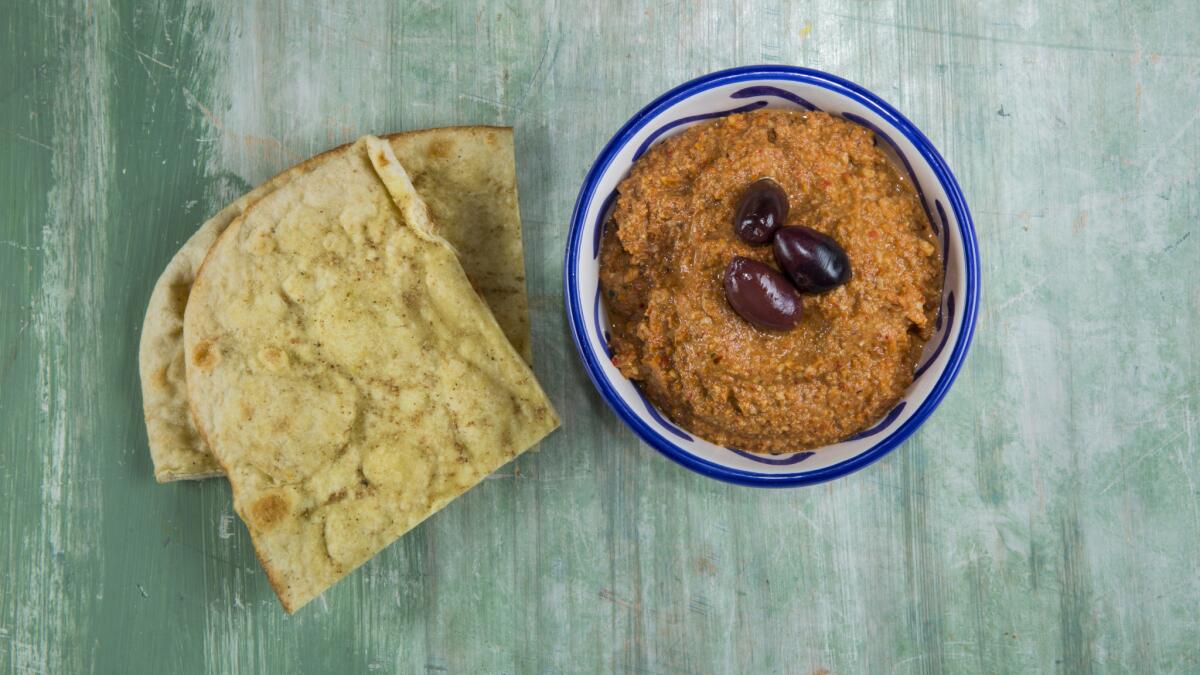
<point>762,209</point>
<point>815,262</point>
<point>761,295</point>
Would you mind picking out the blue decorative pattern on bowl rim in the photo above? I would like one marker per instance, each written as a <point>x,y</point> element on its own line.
<point>750,88</point>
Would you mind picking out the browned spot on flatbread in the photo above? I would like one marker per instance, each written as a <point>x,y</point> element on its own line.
<point>383,160</point>
<point>159,377</point>
<point>206,355</point>
<point>268,511</point>
<point>440,148</point>
<point>179,295</point>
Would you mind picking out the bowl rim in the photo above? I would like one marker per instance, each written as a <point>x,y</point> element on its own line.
<point>941,171</point>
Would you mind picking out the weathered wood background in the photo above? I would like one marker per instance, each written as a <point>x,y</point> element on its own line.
<point>1045,519</point>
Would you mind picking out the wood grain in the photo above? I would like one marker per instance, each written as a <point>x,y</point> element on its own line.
<point>1046,518</point>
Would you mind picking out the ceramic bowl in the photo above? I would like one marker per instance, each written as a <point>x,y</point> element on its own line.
<point>751,88</point>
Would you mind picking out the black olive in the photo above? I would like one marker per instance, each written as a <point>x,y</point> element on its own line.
<point>815,262</point>
<point>762,210</point>
<point>761,295</point>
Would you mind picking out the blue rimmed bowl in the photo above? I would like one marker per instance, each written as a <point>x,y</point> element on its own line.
<point>740,90</point>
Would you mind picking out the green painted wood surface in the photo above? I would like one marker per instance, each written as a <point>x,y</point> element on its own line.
<point>1045,519</point>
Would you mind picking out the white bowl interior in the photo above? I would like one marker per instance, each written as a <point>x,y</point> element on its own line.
<point>749,95</point>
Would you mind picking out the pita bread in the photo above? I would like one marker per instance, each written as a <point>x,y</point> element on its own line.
<point>467,177</point>
<point>345,373</point>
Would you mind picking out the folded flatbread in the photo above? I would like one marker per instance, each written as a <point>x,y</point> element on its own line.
<point>466,176</point>
<point>344,372</point>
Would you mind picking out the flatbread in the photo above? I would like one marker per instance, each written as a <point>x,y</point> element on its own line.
<point>345,373</point>
<point>467,177</point>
